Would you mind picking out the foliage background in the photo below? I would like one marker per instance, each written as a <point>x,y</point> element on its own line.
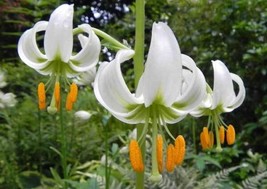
<point>233,31</point>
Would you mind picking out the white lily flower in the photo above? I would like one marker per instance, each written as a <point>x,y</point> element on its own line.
<point>169,88</point>
<point>221,99</point>
<point>7,100</point>
<point>58,60</point>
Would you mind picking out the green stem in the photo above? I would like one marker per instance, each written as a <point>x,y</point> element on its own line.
<point>40,139</point>
<point>106,160</point>
<point>194,135</point>
<point>138,70</point>
<point>63,140</point>
<point>116,44</point>
<point>110,39</point>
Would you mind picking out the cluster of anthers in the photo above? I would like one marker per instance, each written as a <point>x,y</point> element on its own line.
<point>55,102</point>
<point>207,137</point>
<point>174,154</point>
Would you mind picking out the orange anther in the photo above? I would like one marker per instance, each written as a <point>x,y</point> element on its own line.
<point>41,96</point>
<point>73,92</point>
<point>211,136</point>
<point>206,136</point>
<point>69,103</point>
<point>57,94</point>
<point>170,163</point>
<point>230,135</point>
<point>160,153</point>
<point>204,145</point>
<point>136,156</point>
<point>222,134</point>
<point>179,150</point>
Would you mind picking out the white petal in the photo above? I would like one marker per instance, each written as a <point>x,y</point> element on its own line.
<point>223,89</point>
<point>240,96</point>
<point>194,86</point>
<point>28,49</point>
<point>110,88</point>
<point>58,40</point>
<point>89,55</point>
<point>161,79</point>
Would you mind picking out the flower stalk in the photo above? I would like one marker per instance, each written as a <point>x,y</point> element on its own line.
<point>138,70</point>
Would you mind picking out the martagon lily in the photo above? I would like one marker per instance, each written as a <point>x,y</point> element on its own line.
<point>170,86</point>
<point>57,58</point>
<point>221,99</point>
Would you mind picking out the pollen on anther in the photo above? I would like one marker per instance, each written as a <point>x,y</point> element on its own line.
<point>69,103</point>
<point>136,156</point>
<point>206,136</point>
<point>211,136</point>
<point>230,135</point>
<point>179,150</point>
<point>41,96</point>
<point>73,92</point>
<point>222,134</point>
<point>204,145</point>
<point>170,162</point>
<point>57,94</point>
<point>160,153</point>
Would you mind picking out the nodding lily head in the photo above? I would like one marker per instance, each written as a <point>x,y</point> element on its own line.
<point>57,58</point>
<point>222,98</point>
<point>170,86</point>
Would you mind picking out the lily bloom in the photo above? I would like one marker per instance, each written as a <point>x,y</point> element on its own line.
<point>170,86</point>
<point>222,99</point>
<point>57,59</point>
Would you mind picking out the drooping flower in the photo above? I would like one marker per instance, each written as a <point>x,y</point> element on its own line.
<point>58,61</point>
<point>221,99</point>
<point>6,99</point>
<point>171,86</point>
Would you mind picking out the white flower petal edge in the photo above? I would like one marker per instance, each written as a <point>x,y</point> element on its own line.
<point>28,49</point>
<point>223,88</point>
<point>240,96</point>
<point>163,65</point>
<point>111,90</point>
<point>89,55</point>
<point>58,39</point>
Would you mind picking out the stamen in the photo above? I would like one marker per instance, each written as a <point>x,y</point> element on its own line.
<point>204,145</point>
<point>136,156</point>
<point>222,134</point>
<point>179,150</point>
<point>206,136</point>
<point>230,135</point>
<point>73,92</point>
<point>41,96</point>
<point>57,95</point>
<point>160,152</point>
<point>170,163</point>
<point>211,137</point>
<point>69,103</point>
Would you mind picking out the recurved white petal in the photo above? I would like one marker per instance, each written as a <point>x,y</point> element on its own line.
<point>240,96</point>
<point>28,49</point>
<point>162,78</point>
<point>58,39</point>
<point>194,86</point>
<point>89,54</point>
<point>110,88</point>
<point>223,89</point>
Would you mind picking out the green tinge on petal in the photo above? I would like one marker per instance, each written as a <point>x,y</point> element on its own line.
<point>58,39</point>
<point>88,56</point>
